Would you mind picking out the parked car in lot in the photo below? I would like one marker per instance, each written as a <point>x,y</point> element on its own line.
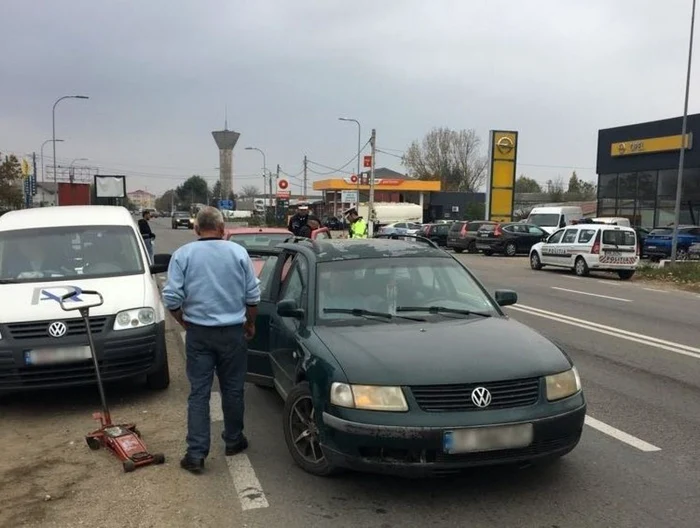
<point>589,247</point>
<point>400,228</point>
<point>694,252</point>
<point>435,232</point>
<point>49,252</point>
<point>182,219</point>
<point>462,235</point>
<point>657,244</point>
<point>364,340</point>
<point>510,238</point>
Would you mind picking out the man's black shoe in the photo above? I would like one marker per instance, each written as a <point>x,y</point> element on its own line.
<point>191,465</point>
<point>234,449</point>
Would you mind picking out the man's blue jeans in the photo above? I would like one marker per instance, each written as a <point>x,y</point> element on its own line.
<point>224,350</point>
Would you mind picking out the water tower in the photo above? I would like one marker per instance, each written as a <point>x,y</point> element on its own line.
<point>226,139</point>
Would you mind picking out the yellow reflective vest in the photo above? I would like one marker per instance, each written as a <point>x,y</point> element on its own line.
<point>358,229</point>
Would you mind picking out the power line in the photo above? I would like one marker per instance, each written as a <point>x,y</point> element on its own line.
<point>390,154</point>
<point>340,169</point>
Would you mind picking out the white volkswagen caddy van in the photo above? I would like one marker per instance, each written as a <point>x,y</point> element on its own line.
<point>46,253</point>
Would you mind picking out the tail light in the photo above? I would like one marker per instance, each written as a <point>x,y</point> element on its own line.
<point>595,250</point>
<point>497,231</point>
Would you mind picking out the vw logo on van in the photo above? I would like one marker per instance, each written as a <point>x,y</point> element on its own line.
<point>57,329</point>
<point>481,397</point>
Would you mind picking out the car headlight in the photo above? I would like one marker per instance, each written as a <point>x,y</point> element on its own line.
<point>136,318</point>
<point>368,397</point>
<point>563,385</point>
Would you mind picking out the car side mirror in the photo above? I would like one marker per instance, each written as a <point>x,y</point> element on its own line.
<point>161,261</point>
<point>289,308</point>
<point>506,297</point>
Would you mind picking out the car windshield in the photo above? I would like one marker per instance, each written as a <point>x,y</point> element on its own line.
<point>402,287</point>
<point>181,214</point>
<point>544,220</point>
<point>259,240</point>
<point>619,238</point>
<point>59,253</point>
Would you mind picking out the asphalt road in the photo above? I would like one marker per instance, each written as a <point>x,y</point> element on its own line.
<point>638,350</point>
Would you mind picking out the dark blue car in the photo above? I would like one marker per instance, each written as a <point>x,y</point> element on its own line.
<point>657,244</point>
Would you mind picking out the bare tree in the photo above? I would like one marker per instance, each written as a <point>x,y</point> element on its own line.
<point>249,191</point>
<point>453,157</point>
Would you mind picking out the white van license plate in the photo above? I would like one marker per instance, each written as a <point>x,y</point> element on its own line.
<point>54,356</point>
<point>488,438</point>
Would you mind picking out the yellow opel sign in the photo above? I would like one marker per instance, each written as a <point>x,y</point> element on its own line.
<point>651,145</point>
<point>501,185</point>
<point>25,167</point>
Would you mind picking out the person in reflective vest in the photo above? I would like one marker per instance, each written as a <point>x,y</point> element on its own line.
<point>358,225</point>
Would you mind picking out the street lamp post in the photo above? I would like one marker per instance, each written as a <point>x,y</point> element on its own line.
<point>264,172</point>
<point>359,140</point>
<point>684,127</point>
<point>70,167</point>
<point>53,126</point>
<point>42,155</point>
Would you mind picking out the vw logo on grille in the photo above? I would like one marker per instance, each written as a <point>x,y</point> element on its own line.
<point>481,397</point>
<point>59,329</point>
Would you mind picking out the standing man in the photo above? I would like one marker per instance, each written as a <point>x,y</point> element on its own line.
<point>299,219</point>
<point>213,292</point>
<point>146,233</point>
<point>358,226</point>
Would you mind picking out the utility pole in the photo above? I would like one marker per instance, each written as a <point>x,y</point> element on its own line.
<point>277,180</point>
<point>304,185</point>
<point>370,209</point>
<point>172,202</point>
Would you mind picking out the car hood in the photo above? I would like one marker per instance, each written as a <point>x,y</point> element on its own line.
<point>37,301</point>
<point>464,351</point>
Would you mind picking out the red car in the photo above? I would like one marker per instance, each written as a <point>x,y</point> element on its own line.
<point>265,238</point>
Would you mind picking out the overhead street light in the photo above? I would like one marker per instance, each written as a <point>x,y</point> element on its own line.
<point>264,172</point>
<point>359,147</point>
<point>53,126</point>
<point>42,154</point>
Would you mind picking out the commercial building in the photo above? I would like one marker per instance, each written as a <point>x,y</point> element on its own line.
<point>637,168</point>
<point>142,199</point>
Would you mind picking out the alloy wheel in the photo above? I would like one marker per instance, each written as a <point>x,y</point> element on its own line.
<point>304,430</point>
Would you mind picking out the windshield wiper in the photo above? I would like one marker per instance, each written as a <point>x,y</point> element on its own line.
<point>8,281</point>
<point>361,312</point>
<point>440,310</point>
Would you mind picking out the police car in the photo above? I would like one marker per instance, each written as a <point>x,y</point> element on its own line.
<point>589,247</point>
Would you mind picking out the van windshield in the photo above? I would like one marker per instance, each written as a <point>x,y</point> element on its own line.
<point>60,253</point>
<point>544,219</point>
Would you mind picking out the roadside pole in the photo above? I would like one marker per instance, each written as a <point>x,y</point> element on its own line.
<point>304,188</point>
<point>370,208</point>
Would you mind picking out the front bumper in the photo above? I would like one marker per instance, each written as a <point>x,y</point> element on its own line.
<point>121,354</point>
<point>183,223</point>
<point>418,451</point>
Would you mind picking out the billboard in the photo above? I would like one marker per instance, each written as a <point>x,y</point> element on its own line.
<point>500,191</point>
<point>110,186</point>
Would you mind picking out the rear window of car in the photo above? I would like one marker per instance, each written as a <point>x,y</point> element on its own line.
<point>457,226</point>
<point>619,238</point>
<point>484,227</point>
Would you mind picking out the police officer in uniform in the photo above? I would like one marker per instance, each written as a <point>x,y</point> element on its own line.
<point>299,220</point>
<point>358,225</point>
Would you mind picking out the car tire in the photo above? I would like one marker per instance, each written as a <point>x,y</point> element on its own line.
<point>625,274</point>
<point>510,250</point>
<point>580,267</point>
<point>299,404</point>
<point>457,250</point>
<point>471,248</point>
<point>160,379</point>
<point>535,262</point>
<point>488,252</point>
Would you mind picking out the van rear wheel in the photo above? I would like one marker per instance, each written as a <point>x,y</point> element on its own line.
<point>581,268</point>
<point>625,274</point>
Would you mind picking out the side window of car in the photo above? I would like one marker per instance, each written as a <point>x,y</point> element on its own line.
<point>293,286</point>
<point>443,229</point>
<point>534,230</point>
<point>556,237</point>
<point>570,236</point>
<point>586,235</point>
<point>265,276</point>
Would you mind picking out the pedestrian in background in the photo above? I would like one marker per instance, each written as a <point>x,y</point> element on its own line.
<point>299,219</point>
<point>358,226</point>
<point>146,233</point>
<point>213,292</point>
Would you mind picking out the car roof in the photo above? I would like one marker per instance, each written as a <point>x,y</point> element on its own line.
<point>333,249</point>
<point>252,230</point>
<point>65,215</point>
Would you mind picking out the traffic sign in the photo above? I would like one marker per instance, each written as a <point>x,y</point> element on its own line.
<point>226,205</point>
<point>283,184</point>
<point>283,194</point>
<point>368,161</point>
<point>348,196</point>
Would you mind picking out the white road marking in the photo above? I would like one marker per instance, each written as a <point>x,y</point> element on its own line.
<point>620,435</point>
<point>247,485</point>
<point>671,346</point>
<point>592,294</point>
<point>655,290</point>
<point>216,413</point>
<point>574,277</point>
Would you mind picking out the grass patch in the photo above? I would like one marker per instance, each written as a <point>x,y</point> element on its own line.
<point>685,275</point>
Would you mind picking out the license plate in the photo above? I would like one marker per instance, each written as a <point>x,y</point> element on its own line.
<point>651,247</point>
<point>487,438</point>
<point>484,234</point>
<point>53,356</point>
<point>613,253</point>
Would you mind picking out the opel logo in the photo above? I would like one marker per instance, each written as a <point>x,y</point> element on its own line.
<point>481,397</point>
<point>504,145</point>
<point>58,329</point>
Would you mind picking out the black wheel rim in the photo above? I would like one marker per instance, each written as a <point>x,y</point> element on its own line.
<point>303,430</point>
<point>510,249</point>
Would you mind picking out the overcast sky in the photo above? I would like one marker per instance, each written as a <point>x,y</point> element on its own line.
<point>160,74</point>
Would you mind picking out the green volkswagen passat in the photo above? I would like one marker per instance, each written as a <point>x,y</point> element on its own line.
<point>391,357</point>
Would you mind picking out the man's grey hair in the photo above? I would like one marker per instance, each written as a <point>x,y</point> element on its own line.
<point>209,219</point>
